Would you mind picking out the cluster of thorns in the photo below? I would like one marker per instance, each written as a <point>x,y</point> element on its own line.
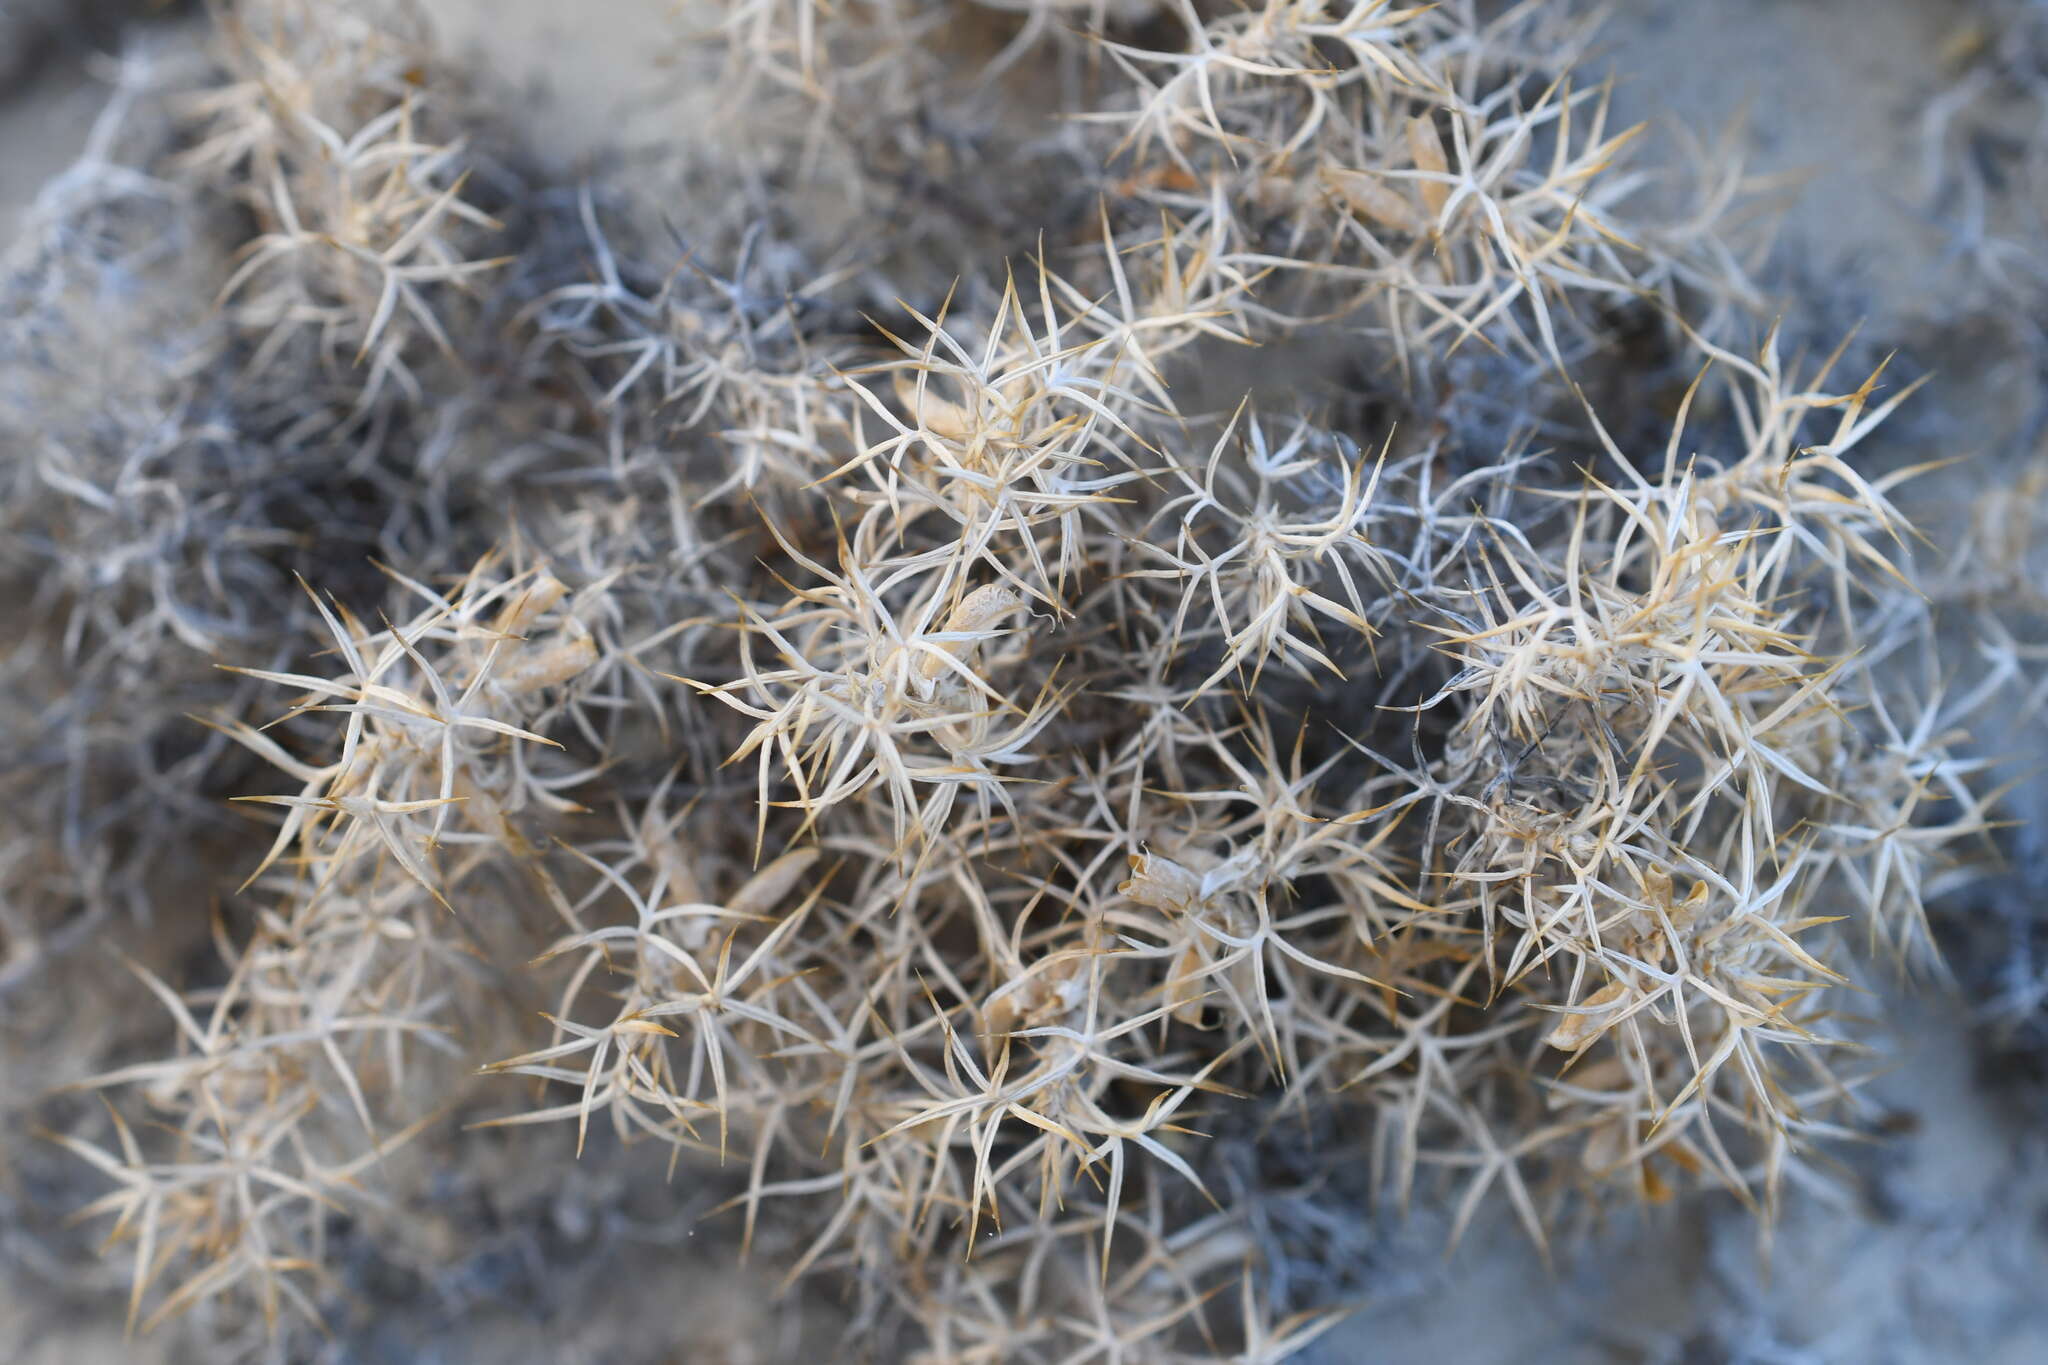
<point>913,744</point>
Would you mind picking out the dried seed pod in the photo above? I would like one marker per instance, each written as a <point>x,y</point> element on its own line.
<point>532,602</point>
<point>549,662</point>
<point>1581,1028</point>
<point>771,886</point>
<point>1428,150</point>
<point>1162,884</point>
<point>977,612</point>
<point>940,417</point>
<point>1368,196</point>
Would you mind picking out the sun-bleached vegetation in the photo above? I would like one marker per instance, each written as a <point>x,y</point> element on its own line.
<point>1124,642</point>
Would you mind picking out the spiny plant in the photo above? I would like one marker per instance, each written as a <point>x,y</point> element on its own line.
<point>1994,62</point>
<point>347,971</point>
<point>1433,175</point>
<point>963,786</point>
<point>326,138</point>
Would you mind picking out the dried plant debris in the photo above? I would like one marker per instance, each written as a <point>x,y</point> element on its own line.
<point>852,718</point>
